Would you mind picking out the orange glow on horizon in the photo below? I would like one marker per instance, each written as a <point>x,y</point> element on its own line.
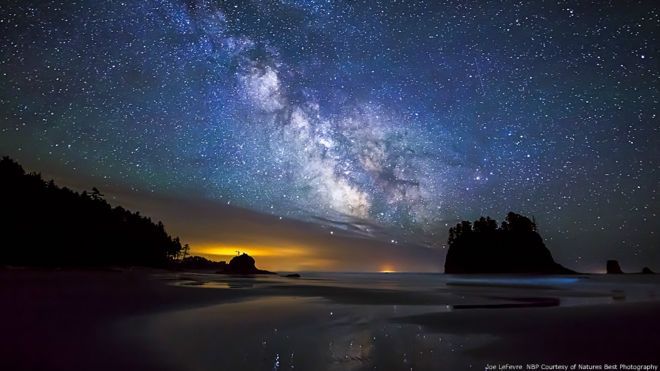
<point>276,258</point>
<point>233,250</point>
<point>281,255</point>
<point>387,269</point>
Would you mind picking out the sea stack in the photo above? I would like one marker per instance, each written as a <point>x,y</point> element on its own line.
<point>243,264</point>
<point>613,267</point>
<point>513,247</point>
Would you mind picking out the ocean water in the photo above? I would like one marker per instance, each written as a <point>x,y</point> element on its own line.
<point>406,321</point>
<point>431,288</point>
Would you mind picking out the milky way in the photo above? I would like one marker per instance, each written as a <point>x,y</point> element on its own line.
<point>395,116</point>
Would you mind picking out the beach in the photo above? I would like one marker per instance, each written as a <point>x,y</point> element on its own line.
<point>139,319</point>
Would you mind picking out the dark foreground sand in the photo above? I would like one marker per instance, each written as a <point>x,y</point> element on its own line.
<point>151,320</point>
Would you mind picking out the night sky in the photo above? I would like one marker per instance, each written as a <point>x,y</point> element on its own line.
<point>347,135</point>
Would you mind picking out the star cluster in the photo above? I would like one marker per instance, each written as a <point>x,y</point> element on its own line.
<point>397,116</point>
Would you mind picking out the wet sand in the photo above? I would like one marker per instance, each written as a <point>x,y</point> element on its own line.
<point>154,320</point>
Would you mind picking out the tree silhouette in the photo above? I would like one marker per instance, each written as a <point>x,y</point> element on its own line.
<point>198,262</point>
<point>45,225</point>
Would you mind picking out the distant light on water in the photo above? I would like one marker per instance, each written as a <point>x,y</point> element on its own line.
<point>516,281</point>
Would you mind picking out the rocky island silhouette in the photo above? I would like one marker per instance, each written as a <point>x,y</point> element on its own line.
<point>613,267</point>
<point>242,264</point>
<point>515,246</point>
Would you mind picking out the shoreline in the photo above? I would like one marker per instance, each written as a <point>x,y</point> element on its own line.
<point>107,320</point>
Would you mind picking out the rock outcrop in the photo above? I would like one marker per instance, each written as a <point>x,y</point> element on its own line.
<point>513,247</point>
<point>243,264</point>
<point>613,267</point>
